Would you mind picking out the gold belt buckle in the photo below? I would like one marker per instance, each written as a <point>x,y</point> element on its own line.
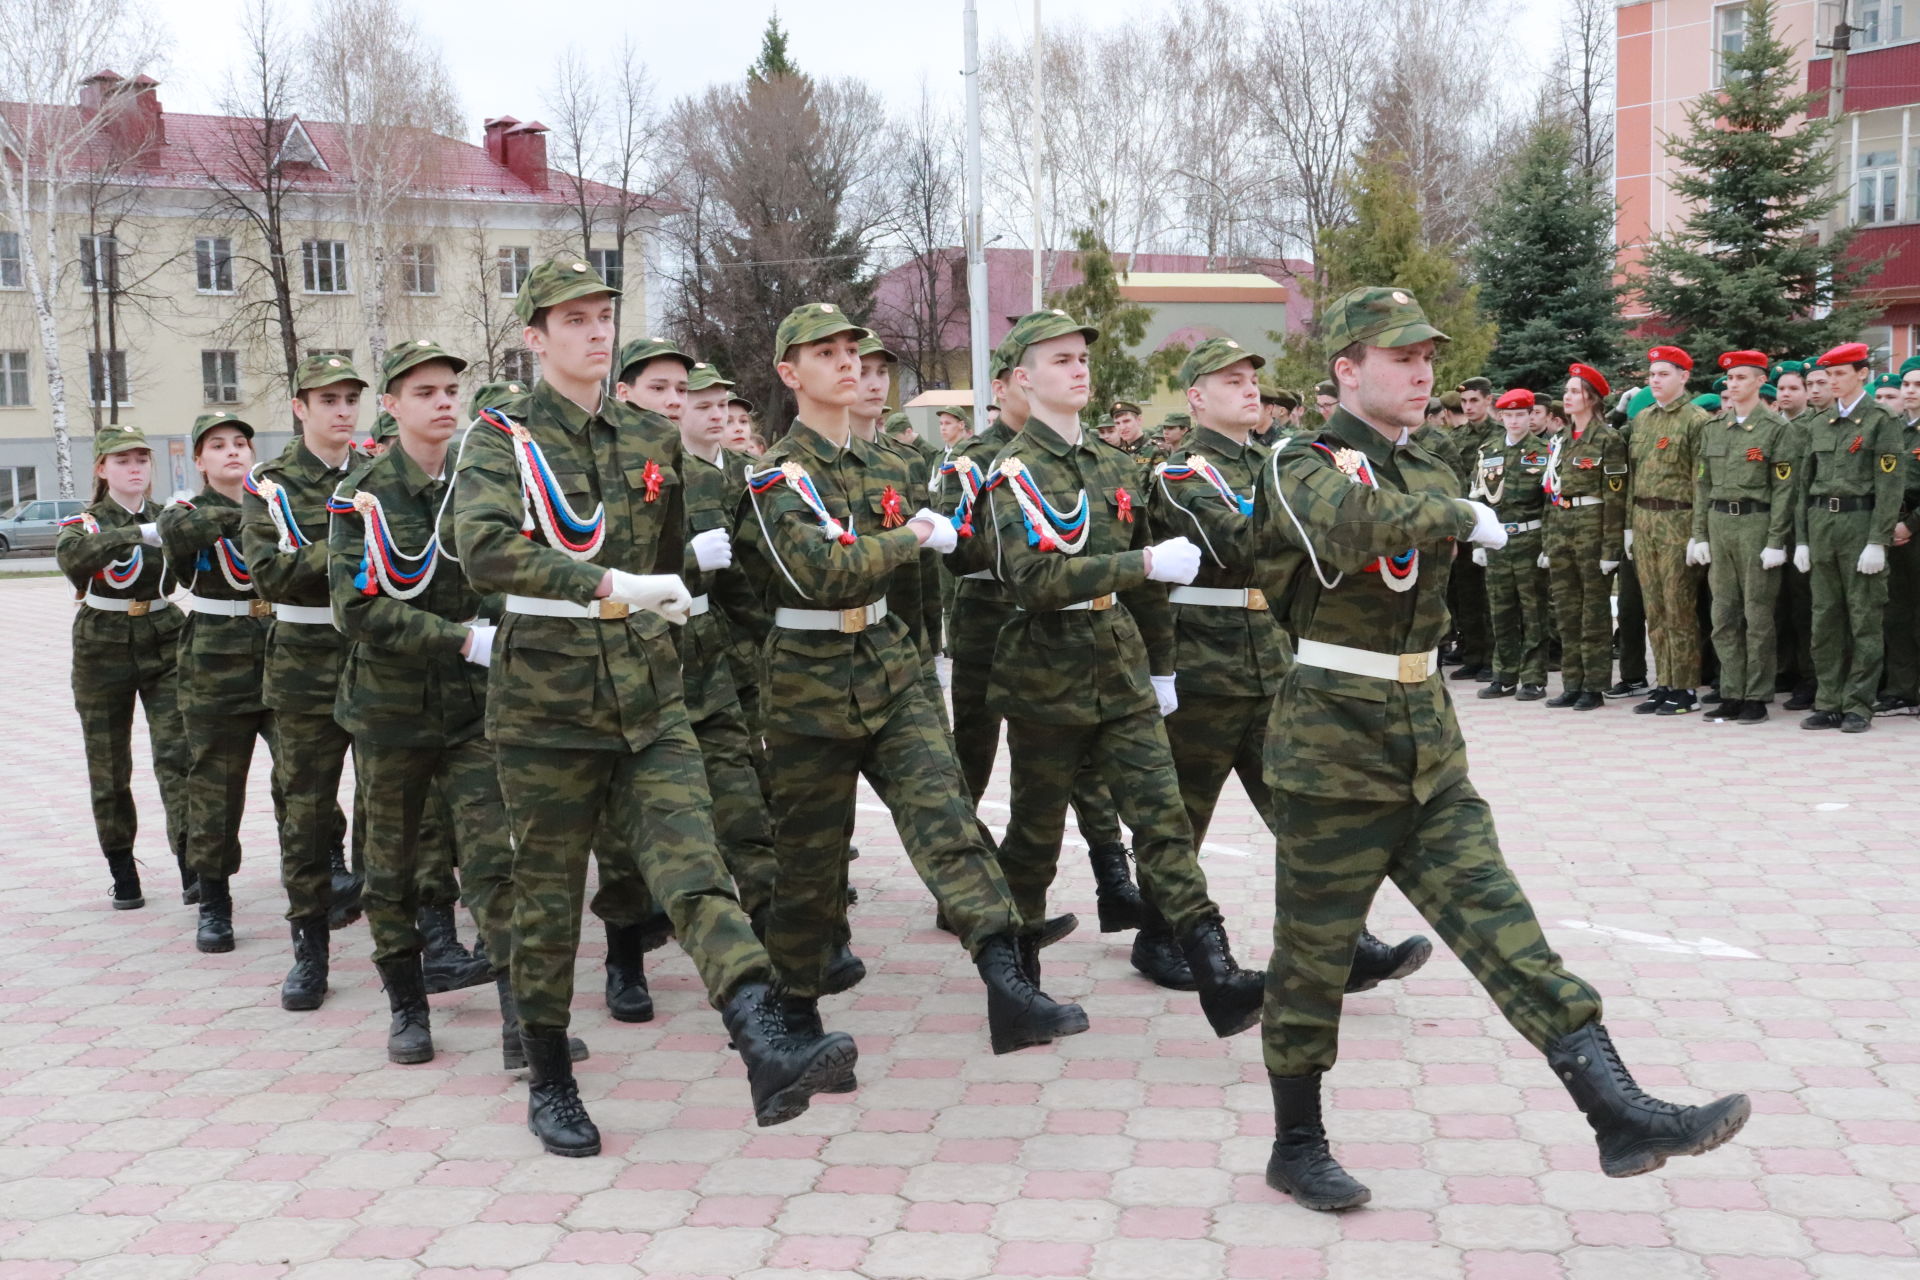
<point>1100,604</point>
<point>612,610</point>
<point>259,609</point>
<point>1256,600</point>
<point>853,621</point>
<point>1414,668</point>
<point>138,608</point>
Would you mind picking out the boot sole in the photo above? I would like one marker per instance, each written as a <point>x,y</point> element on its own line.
<point>1118,917</point>
<point>212,948</point>
<point>1320,1204</point>
<point>849,978</point>
<point>1068,1025</point>
<point>302,1004</point>
<point>1412,964</point>
<point>1245,1022</point>
<point>129,904</point>
<point>1060,927</point>
<point>441,982</point>
<point>1167,984</point>
<point>410,1057</point>
<point>630,1015</point>
<point>552,1149</point>
<point>832,1063</point>
<point>1647,1160</point>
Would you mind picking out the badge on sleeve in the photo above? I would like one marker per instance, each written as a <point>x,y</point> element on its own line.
<point>1888,461</point>
<point>1783,471</point>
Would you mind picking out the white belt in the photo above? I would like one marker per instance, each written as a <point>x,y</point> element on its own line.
<point>847,621</point>
<point>255,608</point>
<point>541,607</point>
<point>132,608</point>
<point>697,606</point>
<point>1221,597</point>
<point>1404,668</point>
<point>1580,502</point>
<point>985,575</point>
<point>307,615</point>
<point>1523,526</point>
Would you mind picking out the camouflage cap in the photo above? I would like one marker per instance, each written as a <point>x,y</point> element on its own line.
<point>118,440</point>
<point>208,421</point>
<point>812,322</point>
<point>410,355</point>
<point>558,280</point>
<point>1450,402</point>
<point>1285,399</point>
<point>1105,424</point>
<point>1042,326</point>
<point>384,427</point>
<point>704,377</point>
<point>742,401</point>
<point>318,371</point>
<point>492,395</point>
<point>958,412</point>
<point>872,346</point>
<point>1213,355</point>
<point>635,352</point>
<point>896,423</point>
<point>1177,420</point>
<point>1378,316</point>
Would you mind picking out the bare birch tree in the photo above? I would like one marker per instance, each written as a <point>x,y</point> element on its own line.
<point>924,227</point>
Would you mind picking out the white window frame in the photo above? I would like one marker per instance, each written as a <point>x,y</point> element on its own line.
<point>12,269</point>
<point>220,376</point>
<point>1729,24</point>
<point>516,259</point>
<point>92,259</point>
<point>16,387</point>
<point>334,262</point>
<point>114,373</point>
<point>212,259</point>
<point>600,258</point>
<point>518,365</point>
<point>1877,177</point>
<point>419,265</point>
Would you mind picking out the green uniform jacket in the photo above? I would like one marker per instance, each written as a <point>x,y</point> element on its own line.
<point>303,660</point>
<point>829,684</point>
<point>87,557</point>
<point>706,642</point>
<point>1238,653</point>
<point>1507,477</point>
<point>907,588</point>
<point>1663,452</point>
<point>1857,454</point>
<point>1593,464</point>
<point>222,659</point>
<point>1747,462</point>
<point>579,683</point>
<point>1082,666</point>
<point>1910,468</point>
<point>981,606</point>
<point>405,683</point>
<point>749,617</point>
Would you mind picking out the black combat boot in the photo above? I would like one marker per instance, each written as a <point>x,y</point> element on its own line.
<point>1374,962</point>
<point>347,888</point>
<point>1301,1164</point>
<point>786,1065</point>
<point>1020,1014</point>
<point>409,1035</point>
<point>216,916</point>
<point>1229,995</point>
<point>1587,700</point>
<point>189,881</point>
<point>1115,893</point>
<point>1029,948</point>
<point>513,1054</point>
<point>444,963</point>
<point>845,971</point>
<point>126,882</point>
<point>555,1114</point>
<point>1054,928</point>
<point>628,999</point>
<point>1158,958</point>
<point>802,1014</point>
<point>306,984</point>
<point>656,931</point>
<point>1565,698</point>
<point>1636,1133</point>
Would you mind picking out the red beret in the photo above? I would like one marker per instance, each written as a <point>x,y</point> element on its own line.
<point>1592,377</point>
<point>1518,398</point>
<point>1846,353</point>
<point>1743,360</point>
<point>1673,356</point>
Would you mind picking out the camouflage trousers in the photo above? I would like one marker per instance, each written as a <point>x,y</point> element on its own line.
<point>645,810</point>
<point>1213,736</point>
<point>399,787</point>
<point>219,758</point>
<point>1582,604</point>
<point>1902,677</point>
<point>1744,596</point>
<point>911,766</point>
<point>1132,756</point>
<point>1671,589</point>
<point>309,755</point>
<point>1849,613</point>
<point>1517,598</point>
<point>1444,855</point>
<point>1472,619</point>
<point>107,680</point>
<point>434,860</point>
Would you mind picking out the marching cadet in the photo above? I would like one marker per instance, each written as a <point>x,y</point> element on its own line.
<point>1229,651</point>
<point>956,429</point>
<point>1852,481</point>
<point>1472,616</point>
<point>1901,684</point>
<point>1585,484</point>
<point>1662,463</point>
<point>1746,473</point>
<point>1507,474</point>
<point>1371,770</point>
<point>1080,680</point>
<point>124,650</point>
<point>1793,609</point>
<point>283,537</point>
<point>824,528</point>
<point>584,704</point>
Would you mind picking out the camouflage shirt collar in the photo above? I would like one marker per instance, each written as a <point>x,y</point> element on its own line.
<point>1052,441</point>
<point>313,464</point>
<point>212,497</point>
<point>1215,445</point>
<point>553,406</point>
<point>412,475</point>
<point>816,446</point>
<point>1345,428</point>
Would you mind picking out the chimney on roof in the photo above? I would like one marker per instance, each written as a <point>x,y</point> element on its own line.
<point>495,129</point>
<point>524,152</point>
<point>136,124</point>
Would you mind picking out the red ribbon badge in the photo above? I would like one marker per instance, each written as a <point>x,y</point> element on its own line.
<point>652,478</point>
<point>1124,501</point>
<point>890,517</point>
<point>1586,464</point>
<point>1661,443</point>
<point>1756,454</point>
<point>1855,446</point>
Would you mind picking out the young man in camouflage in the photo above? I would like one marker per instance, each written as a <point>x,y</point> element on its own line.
<point>1663,458</point>
<point>1083,672</point>
<point>283,537</point>
<point>1507,473</point>
<point>1586,487</point>
<point>570,511</point>
<point>1472,619</point>
<point>1370,768</point>
<point>1900,686</point>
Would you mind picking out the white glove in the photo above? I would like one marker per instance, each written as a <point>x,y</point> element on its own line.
<point>1773,557</point>
<point>480,646</point>
<point>1165,694</point>
<point>1488,530</point>
<point>1698,553</point>
<point>1803,558</point>
<point>1176,560</point>
<point>1873,559</point>
<point>1628,541</point>
<point>1608,566</point>
<point>941,535</point>
<point>150,534</point>
<point>1480,556</point>
<point>663,593</point>
<point>712,550</point>
<point>1543,562</point>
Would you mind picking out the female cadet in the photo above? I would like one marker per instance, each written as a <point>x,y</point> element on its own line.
<point>1585,483</point>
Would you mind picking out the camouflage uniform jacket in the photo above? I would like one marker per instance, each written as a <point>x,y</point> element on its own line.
<point>981,606</point>
<point>1240,653</point>
<point>405,683</point>
<point>222,659</point>
<point>580,683</point>
<point>707,641</point>
<point>749,617</point>
<point>1591,462</point>
<point>1080,666</point>
<point>1747,462</point>
<point>303,659</point>
<point>830,684</point>
<point>1507,477</point>
<point>906,590</point>
<point>1910,468</point>
<point>100,560</point>
<point>1663,452</point>
<point>1856,454</point>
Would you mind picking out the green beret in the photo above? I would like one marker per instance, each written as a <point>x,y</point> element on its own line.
<point>494,395</point>
<point>1642,398</point>
<point>635,352</point>
<point>1708,401</point>
<point>1886,380</point>
<point>1481,385</point>
<point>1719,384</point>
<point>1214,355</point>
<point>118,440</point>
<point>1799,367</point>
<point>1769,392</point>
<point>872,346</point>
<point>323,371</point>
<point>1041,326</point>
<point>1908,365</point>
<point>208,421</point>
<point>558,280</point>
<point>384,426</point>
<point>1378,316</point>
<point>409,355</point>
<point>705,376</point>
<point>811,322</point>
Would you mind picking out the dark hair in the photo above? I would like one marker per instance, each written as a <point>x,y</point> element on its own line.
<point>1354,351</point>
<point>538,320</point>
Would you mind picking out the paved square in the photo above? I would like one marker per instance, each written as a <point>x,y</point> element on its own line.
<point>1744,896</point>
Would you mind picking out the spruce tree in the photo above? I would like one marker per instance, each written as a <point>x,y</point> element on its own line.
<point>1743,271</point>
<point>773,61</point>
<point>1544,261</point>
<point>1117,374</point>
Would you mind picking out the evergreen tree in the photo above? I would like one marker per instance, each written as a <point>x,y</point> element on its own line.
<point>1117,374</point>
<point>1743,272</point>
<point>1545,266</point>
<point>773,61</point>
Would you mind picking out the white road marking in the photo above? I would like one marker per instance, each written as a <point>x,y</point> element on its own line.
<point>1831,806</point>
<point>1660,942</point>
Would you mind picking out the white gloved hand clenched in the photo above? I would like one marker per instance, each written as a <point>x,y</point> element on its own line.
<point>1873,559</point>
<point>1608,566</point>
<point>1627,543</point>
<point>712,550</point>
<point>480,644</point>
<point>1697,553</point>
<point>1176,560</point>
<point>1480,556</point>
<point>1773,557</point>
<point>1803,558</point>
<point>1488,531</point>
<point>150,534</point>
<point>941,535</point>
<point>1165,694</point>
<point>1543,562</point>
<point>663,593</point>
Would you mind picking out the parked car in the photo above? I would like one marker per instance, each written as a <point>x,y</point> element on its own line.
<point>33,525</point>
